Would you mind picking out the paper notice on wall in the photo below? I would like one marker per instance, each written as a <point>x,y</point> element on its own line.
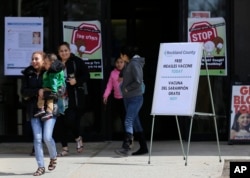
<point>240,113</point>
<point>23,36</point>
<point>85,42</point>
<point>212,33</point>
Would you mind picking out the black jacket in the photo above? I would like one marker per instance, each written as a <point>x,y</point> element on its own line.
<point>31,83</point>
<point>75,65</point>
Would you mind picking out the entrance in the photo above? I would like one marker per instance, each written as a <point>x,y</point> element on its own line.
<point>146,24</point>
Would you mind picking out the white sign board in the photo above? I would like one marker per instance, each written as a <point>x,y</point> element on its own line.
<point>177,78</point>
<point>23,36</point>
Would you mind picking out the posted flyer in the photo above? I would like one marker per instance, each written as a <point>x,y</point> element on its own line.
<point>212,33</point>
<point>85,41</point>
<point>23,36</point>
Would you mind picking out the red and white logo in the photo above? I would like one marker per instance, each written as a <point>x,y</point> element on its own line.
<point>202,32</point>
<point>87,38</point>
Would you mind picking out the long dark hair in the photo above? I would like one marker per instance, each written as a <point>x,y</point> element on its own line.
<point>235,125</point>
<point>64,43</point>
<point>130,51</point>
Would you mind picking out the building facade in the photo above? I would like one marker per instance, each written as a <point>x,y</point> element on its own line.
<point>145,24</point>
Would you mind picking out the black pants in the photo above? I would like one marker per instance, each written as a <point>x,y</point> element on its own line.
<point>69,124</point>
<point>114,109</point>
<point>118,110</point>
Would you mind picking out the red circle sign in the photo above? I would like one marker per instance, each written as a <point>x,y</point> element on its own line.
<point>87,37</point>
<point>202,32</point>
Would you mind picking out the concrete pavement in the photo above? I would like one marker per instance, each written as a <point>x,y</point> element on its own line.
<point>99,161</point>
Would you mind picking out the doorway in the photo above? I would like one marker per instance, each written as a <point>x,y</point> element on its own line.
<point>146,24</point>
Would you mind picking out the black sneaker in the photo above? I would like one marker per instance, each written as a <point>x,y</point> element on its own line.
<point>122,152</point>
<point>39,113</point>
<point>46,116</point>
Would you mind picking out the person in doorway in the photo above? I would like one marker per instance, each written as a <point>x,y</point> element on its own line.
<point>53,84</point>
<point>77,76</point>
<point>31,84</point>
<point>241,126</point>
<point>132,93</point>
<point>113,84</point>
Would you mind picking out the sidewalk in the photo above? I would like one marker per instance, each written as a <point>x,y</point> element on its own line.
<point>99,161</point>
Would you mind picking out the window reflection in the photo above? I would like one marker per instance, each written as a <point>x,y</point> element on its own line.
<point>216,7</point>
<point>82,10</point>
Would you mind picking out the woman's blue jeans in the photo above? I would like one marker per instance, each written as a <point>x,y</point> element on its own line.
<point>132,120</point>
<point>43,130</point>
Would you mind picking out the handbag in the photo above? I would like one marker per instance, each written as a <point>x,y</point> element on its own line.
<point>81,93</point>
<point>84,86</point>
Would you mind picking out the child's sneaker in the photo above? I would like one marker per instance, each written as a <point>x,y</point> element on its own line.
<point>46,116</point>
<point>40,113</point>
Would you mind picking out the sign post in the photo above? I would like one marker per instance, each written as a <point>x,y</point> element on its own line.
<point>177,79</point>
<point>176,84</point>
